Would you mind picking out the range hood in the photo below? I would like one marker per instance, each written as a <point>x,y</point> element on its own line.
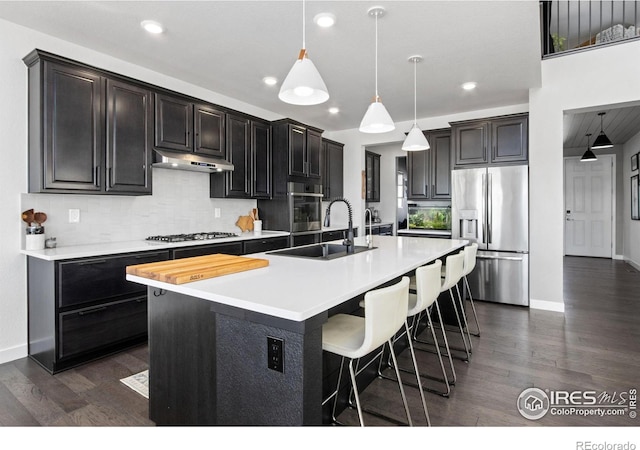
<point>190,161</point>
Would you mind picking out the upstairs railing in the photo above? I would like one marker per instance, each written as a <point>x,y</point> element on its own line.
<point>569,26</point>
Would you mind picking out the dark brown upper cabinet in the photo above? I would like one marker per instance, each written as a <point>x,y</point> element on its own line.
<point>372,174</point>
<point>88,132</point>
<point>129,137</point>
<point>260,159</point>
<point>332,178</point>
<point>495,140</point>
<point>297,154</point>
<point>184,126</point>
<point>429,171</point>
<point>249,150</point>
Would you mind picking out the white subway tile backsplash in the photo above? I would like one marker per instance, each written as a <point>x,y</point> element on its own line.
<point>180,204</point>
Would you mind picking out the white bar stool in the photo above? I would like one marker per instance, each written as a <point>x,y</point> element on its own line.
<point>427,291</point>
<point>470,252</point>
<point>453,270</point>
<point>353,337</point>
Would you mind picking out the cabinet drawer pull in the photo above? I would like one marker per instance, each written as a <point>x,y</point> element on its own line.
<point>91,311</point>
<point>148,255</point>
<point>90,263</point>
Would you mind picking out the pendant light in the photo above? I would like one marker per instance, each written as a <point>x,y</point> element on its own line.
<point>303,85</point>
<point>588,155</point>
<point>376,119</point>
<point>415,140</point>
<point>602,141</point>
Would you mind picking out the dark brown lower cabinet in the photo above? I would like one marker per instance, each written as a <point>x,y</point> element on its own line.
<point>88,329</point>
<point>83,309</point>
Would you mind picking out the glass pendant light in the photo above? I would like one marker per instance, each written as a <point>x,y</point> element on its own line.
<point>588,155</point>
<point>303,85</point>
<point>376,119</point>
<point>602,141</point>
<point>415,140</point>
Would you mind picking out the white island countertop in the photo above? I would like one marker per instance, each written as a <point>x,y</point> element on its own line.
<point>297,288</point>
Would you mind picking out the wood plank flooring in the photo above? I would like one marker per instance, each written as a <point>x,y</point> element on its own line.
<point>595,345</point>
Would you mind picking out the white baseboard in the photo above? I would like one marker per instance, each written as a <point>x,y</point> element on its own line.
<point>546,305</point>
<point>11,354</point>
<point>621,257</point>
<point>632,263</point>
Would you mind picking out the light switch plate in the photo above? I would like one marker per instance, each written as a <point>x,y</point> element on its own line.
<point>216,213</point>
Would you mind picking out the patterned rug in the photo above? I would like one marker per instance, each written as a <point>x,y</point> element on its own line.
<point>139,382</point>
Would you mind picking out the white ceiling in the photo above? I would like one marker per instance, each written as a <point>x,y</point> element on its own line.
<point>229,46</point>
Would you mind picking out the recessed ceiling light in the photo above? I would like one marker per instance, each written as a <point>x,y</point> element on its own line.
<point>471,85</point>
<point>152,26</point>
<point>269,81</point>
<point>334,110</point>
<point>325,20</point>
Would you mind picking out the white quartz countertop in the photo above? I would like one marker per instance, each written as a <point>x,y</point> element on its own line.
<point>113,248</point>
<point>299,288</point>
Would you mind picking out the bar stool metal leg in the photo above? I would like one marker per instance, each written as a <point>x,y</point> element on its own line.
<point>437,346</point>
<point>464,318</point>
<point>464,340</point>
<point>473,307</point>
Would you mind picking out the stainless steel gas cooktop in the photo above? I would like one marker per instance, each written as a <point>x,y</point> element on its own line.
<point>192,236</point>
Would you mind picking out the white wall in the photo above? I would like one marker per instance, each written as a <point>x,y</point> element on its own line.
<point>99,213</point>
<point>631,228</point>
<point>599,77</point>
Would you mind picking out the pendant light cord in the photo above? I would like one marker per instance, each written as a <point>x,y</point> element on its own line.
<point>376,59</point>
<point>304,28</point>
<point>415,95</point>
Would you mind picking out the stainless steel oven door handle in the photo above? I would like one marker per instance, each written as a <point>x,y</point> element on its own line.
<point>305,194</point>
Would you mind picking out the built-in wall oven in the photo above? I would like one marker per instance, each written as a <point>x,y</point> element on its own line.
<point>300,212</point>
<point>305,206</point>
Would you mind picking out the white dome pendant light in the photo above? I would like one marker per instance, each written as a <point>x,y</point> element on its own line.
<point>376,119</point>
<point>415,140</point>
<point>303,85</point>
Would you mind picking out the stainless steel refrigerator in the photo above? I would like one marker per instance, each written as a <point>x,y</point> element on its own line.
<point>490,206</point>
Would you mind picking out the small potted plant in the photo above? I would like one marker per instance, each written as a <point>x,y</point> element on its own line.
<point>558,42</point>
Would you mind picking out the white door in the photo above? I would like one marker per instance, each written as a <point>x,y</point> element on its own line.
<point>588,199</point>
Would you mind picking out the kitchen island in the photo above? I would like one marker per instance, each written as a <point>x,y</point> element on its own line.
<point>211,354</point>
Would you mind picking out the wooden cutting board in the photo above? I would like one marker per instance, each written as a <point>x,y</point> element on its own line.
<point>180,271</point>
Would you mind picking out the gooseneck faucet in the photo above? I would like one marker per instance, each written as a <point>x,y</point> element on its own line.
<point>370,235</point>
<point>348,241</point>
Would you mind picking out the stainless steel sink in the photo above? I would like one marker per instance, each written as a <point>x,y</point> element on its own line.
<point>320,251</point>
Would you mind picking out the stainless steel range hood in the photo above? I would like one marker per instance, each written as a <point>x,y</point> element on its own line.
<point>190,161</point>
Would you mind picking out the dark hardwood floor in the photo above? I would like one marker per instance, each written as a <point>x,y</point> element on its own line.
<point>594,345</point>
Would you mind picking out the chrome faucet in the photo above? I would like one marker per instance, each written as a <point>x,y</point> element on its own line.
<point>348,240</point>
<point>370,235</point>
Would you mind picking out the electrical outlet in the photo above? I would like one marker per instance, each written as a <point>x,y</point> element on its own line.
<point>74,216</point>
<point>216,213</point>
<point>275,354</point>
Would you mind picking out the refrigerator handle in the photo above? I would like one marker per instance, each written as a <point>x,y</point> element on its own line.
<point>484,208</point>
<point>489,206</point>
